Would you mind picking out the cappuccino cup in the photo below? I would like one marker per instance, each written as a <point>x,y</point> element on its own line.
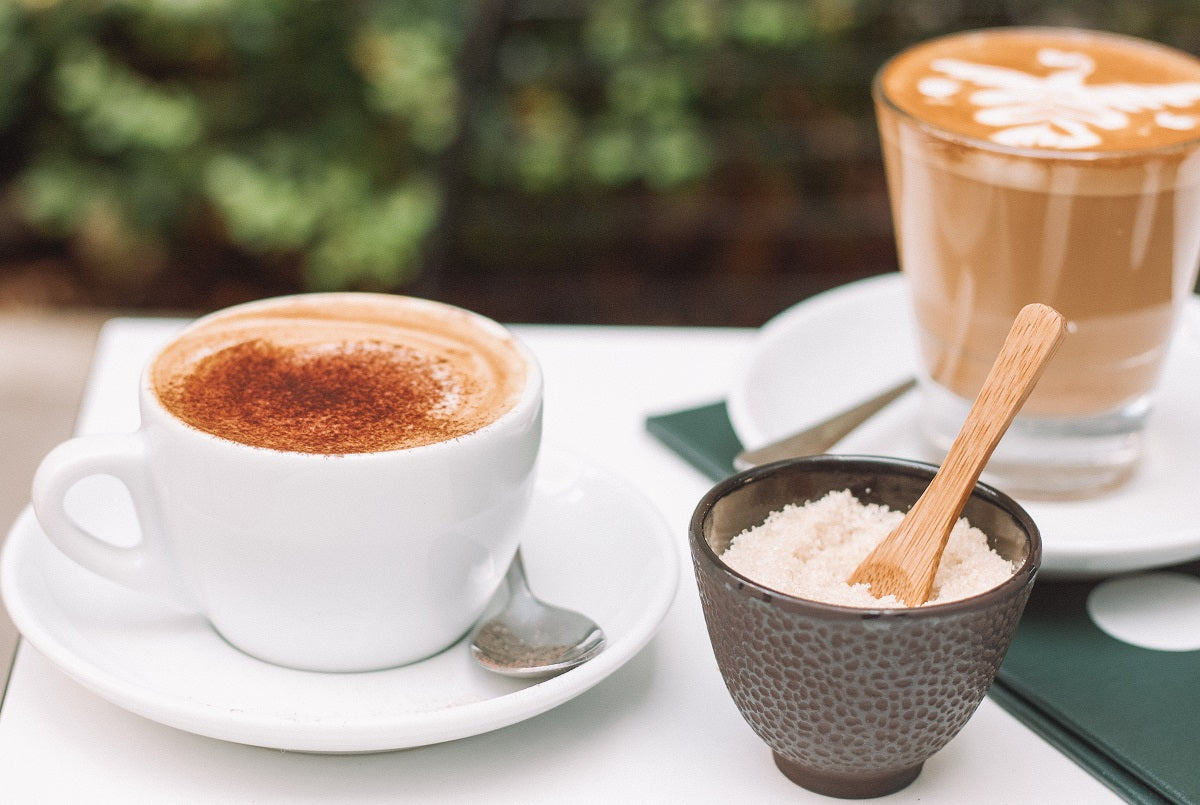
<point>334,481</point>
<point>1047,165</point>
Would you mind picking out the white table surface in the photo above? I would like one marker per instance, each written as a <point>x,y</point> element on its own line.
<point>660,729</point>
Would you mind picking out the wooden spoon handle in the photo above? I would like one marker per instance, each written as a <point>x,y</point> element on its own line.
<point>1035,335</point>
<point>905,563</point>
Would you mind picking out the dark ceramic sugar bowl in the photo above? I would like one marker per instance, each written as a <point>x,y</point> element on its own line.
<point>853,701</point>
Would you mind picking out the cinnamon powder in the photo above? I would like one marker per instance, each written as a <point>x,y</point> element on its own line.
<point>330,398</point>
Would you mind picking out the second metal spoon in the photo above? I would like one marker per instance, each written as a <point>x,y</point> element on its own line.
<point>823,435</point>
<point>530,638</point>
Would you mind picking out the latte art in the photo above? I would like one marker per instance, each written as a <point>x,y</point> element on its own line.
<point>1048,89</point>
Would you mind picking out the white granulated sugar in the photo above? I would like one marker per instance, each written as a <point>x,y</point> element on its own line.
<point>809,551</point>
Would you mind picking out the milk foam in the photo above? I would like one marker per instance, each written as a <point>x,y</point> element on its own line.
<point>1094,108</point>
<point>478,368</point>
<point>1057,89</point>
<point>1060,109</point>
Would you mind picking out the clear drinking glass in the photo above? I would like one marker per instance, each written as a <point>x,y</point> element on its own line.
<point>1045,165</point>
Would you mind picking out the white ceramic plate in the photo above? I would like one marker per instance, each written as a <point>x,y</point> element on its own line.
<point>591,543</point>
<point>844,345</point>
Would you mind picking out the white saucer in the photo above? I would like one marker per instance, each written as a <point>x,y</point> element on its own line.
<point>591,543</point>
<point>844,345</point>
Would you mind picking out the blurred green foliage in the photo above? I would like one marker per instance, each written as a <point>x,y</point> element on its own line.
<point>330,138</point>
<point>287,128</point>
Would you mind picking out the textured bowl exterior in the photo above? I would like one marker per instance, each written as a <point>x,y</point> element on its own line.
<point>853,701</point>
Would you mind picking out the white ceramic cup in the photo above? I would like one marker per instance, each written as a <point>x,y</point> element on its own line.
<point>347,562</point>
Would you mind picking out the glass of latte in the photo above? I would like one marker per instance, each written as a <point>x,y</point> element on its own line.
<point>334,481</point>
<point>1045,165</point>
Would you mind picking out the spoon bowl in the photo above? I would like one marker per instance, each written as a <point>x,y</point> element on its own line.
<point>529,638</point>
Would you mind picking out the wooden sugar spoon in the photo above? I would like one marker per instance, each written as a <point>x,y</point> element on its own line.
<point>905,562</point>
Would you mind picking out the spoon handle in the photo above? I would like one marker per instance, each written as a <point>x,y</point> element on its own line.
<point>908,559</point>
<point>1034,337</point>
<point>825,434</point>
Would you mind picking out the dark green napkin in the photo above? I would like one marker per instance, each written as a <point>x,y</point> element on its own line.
<point>1130,716</point>
<point>702,436</point>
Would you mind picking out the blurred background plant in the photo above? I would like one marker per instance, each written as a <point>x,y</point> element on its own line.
<point>656,161</point>
<point>295,143</point>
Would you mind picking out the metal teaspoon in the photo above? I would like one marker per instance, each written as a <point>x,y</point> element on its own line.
<point>823,435</point>
<point>530,638</point>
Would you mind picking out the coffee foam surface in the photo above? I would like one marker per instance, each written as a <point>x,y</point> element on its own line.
<point>1058,89</point>
<point>1103,114</point>
<point>432,373</point>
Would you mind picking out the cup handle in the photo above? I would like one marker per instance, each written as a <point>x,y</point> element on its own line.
<point>144,566</point>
